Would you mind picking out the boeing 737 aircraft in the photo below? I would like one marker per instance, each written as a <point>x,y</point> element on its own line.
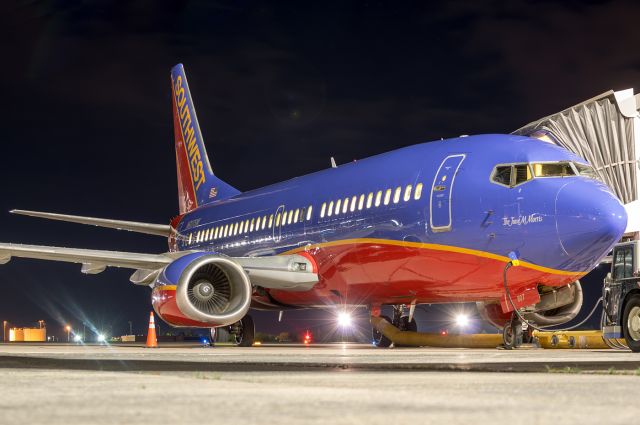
<point>429,223</point>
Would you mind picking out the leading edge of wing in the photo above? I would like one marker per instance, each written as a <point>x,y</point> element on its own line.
<point>132,226</point>
<point>93,260</point>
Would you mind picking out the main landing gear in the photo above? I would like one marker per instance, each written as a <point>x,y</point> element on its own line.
<point>243,332</point>
<point>400,321</point>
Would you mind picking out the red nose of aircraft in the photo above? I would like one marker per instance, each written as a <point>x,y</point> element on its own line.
<point>589,220</point>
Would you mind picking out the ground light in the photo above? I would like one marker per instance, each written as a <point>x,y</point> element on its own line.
<point>77,338</point>
<point>344,319</point>
<point>101,338</point>
<point>462,320</point>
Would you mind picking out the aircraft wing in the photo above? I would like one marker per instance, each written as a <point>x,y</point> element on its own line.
<point>287,272</point>
<point>132,226</point>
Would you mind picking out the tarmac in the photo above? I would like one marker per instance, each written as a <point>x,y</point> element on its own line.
<point>328,384</point>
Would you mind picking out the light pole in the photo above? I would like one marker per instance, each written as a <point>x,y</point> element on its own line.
<point>4,331</point>
<point>130,328</point>
<point>68,329</point>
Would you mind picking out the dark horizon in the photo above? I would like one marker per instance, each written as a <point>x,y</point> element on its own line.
<point>279,89</point>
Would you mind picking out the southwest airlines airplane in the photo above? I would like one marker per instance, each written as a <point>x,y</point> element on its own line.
<point>429,223</point>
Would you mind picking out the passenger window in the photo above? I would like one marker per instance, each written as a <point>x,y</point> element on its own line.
<point>270,221</point>
<point>224,232</point>
<point>418,193</point>
<point>215,234</point>
<point>246,226</point>
<point>361,202</point>
<point>290,217</point>
<point>369,199</point>
<point>241,227</point>
<point>253,220</point>
<point>278,220</point>
<point>190,237</point>
<point>407,193</point>
<point>354,199</point>
<point>322,209</point>
<point>378,198</point>
<point>345,205</point>
<point>284,217</point>
<point>264,222</point>
<point>209,234</point>
<point>523,173</point>
<point>337,210</point>
<point>502,175</point>
<point>387,196</point>
<point>330,210</point>
<point>296,216</point>
<point>198,236</point>
<point>396,195</point>
<point>309,212</point>
<point>235,229</point>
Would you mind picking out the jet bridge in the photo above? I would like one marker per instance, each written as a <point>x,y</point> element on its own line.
<point>605,130</point>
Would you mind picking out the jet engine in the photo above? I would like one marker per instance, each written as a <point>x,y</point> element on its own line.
<point>210,290</point>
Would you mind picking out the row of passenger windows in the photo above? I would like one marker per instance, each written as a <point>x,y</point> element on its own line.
<point>300,215</point>
<point>250,225</point>
<point>515,174</point>
<point>359,202</point>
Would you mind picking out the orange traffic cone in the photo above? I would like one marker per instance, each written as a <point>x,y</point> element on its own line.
<point>152,341</point>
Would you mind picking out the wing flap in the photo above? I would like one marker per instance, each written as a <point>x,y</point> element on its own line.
<point>131,226</point>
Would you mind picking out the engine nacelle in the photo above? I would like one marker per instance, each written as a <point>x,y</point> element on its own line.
<point>202,290</point>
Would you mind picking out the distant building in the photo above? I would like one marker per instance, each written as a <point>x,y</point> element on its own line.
<point>28,334</point>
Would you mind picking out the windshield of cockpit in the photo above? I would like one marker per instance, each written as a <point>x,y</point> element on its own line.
<point>515,174</point>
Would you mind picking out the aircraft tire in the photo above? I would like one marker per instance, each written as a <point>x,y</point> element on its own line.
<point>245,333</point>
<point>380,340</point>
<point>631,323</point>
<point>512,335</point>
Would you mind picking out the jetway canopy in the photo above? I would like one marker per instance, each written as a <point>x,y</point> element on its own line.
<point>604,130</point>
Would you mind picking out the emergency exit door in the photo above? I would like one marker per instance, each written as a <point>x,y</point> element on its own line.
<point>441,192</point>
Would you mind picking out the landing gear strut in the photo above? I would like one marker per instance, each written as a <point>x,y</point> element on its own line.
<point>512,333</point>
<point>400,321</point>
<point>243,332</point>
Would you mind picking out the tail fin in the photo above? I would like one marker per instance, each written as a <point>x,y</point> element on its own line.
<point>197,185</point>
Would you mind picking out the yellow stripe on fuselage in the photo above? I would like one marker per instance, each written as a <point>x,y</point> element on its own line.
<point>166,287</point>
<point>435,247</point>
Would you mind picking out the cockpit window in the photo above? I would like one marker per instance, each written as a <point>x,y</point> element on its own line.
<point>515,174</point>
<point>586,170</point>
<point>553,169</point>
<point>523,173</point>
<point>502,175</point>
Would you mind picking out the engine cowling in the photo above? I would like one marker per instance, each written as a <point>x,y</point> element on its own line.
<point>202,289</point>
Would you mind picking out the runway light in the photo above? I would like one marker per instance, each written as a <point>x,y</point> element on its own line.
<point>77,338</point>
<point>344,319</point>
<point>100,338</point>
<point>462,320</point>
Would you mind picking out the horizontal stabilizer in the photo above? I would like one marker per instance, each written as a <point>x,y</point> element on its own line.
<point>131,226</point>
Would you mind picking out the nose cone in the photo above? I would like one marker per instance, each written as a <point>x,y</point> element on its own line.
<point>589,220</point>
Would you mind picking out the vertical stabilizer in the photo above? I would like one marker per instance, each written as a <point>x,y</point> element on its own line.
<point>197,185</point>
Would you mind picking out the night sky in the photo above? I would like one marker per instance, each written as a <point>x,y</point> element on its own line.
<point>279,87</point>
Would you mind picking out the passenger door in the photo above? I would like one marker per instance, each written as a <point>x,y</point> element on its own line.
<point>441,190</point>
<point>277,224</point>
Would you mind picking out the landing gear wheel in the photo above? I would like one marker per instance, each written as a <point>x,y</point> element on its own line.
<point>380,340</point>
<point>631,323</point>
<point>243,332</point>
<point>512,334</point>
